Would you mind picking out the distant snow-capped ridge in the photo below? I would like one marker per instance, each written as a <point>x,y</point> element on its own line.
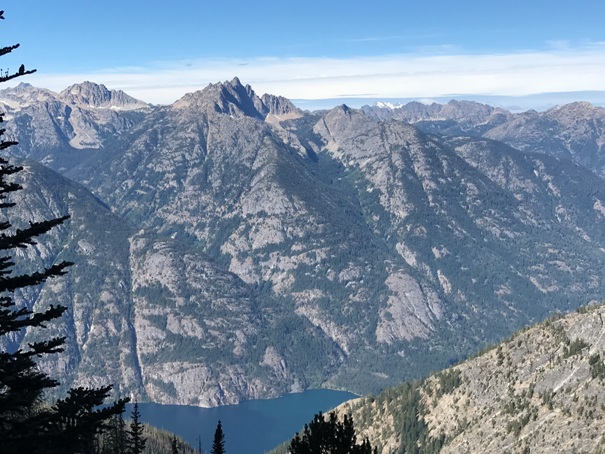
<point>388,105</point>
<point>400,105</point>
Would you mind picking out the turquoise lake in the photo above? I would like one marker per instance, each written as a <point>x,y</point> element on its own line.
<point>252,427</point>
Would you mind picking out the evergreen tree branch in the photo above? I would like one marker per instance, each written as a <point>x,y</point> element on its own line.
<point>23,237</point>
<point>11,284</point>
<point>6,77</point>
<point>8,49</point>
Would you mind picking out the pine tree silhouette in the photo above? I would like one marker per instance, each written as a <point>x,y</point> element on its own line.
<point>136,441</point>
<point>218,444</point>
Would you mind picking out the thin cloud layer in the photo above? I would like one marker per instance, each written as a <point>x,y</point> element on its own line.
<point>561,69</point>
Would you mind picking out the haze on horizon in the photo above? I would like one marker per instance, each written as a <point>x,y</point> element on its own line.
<point>314,51</point>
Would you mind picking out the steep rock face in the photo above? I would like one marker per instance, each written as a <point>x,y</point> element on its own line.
<point>279,109</point>
<point>433,207</point>
<point>198,329</point>
<point>540,391</point>
<point>100,347</point>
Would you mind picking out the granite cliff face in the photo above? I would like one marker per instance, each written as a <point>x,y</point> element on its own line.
<point>261,249</point>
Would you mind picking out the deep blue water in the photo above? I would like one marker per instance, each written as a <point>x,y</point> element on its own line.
<point>252,427</point>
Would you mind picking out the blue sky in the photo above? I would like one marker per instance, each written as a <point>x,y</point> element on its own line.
<point>313,49</point>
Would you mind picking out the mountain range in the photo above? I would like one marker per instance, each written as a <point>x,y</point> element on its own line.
<point>574,131</point>
<point>231,246</point>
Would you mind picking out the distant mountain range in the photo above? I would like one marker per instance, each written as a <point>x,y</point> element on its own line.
<point>231,246</point>
<point>574,131</point>
<point>516,104</point>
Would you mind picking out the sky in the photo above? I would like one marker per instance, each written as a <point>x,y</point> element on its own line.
<point>314,50</point>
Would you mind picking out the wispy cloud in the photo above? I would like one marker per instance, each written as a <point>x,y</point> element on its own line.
<point>561,68</point>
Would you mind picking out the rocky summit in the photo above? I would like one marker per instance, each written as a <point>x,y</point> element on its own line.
<point>231,246</point>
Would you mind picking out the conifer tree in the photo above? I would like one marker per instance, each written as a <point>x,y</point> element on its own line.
<point>114,440</point>
<point>136,441</point>
<point>329,436</point>
<point>175,446</point>
<point>218,444</point>
<point>27,423</point>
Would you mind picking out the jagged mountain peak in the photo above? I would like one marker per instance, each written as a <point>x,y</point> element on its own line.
<point>86,87</point>
<point>24,86</point>
<point>343,109</point>
<point>238,100</point>
<point>280,108</point>
<point>24,94</point>
<point>92,95</point>
<point>229,97</point>
<point>339,119</point>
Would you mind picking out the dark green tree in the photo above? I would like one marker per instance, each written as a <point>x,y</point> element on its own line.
<point>329,436</point>
<point>27,422</point>
<point>174,445</point>
<point>79,418</point>
<point>136,441</point>
<point>218,444</point>
<point>114,438</point>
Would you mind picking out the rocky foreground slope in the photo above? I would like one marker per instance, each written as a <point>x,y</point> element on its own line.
<point>540,391</point>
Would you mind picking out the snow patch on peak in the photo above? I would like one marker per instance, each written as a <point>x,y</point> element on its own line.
<point>388,105</point>
<point>399,105</point>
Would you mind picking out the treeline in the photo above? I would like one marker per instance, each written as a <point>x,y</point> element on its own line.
<point>133,437</point>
